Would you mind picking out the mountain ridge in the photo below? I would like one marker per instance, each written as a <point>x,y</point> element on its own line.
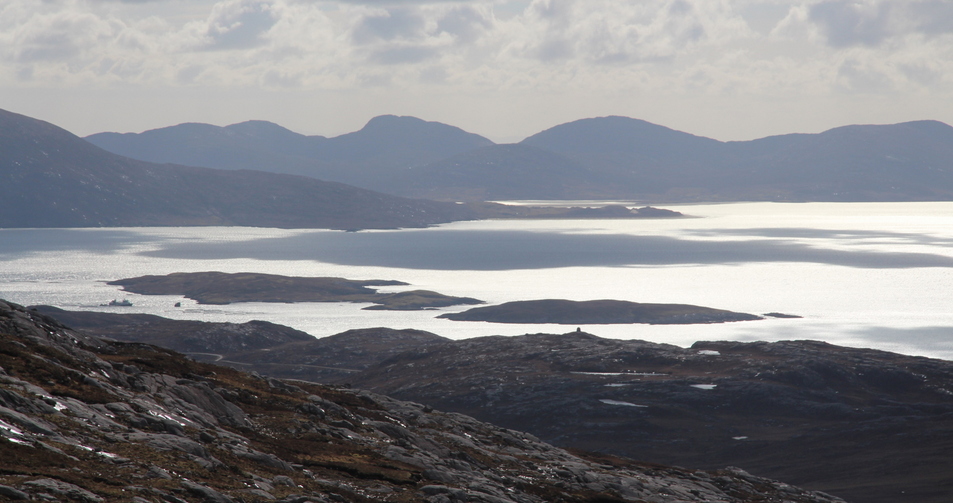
<point>52,178</point>
<point>620,157</point>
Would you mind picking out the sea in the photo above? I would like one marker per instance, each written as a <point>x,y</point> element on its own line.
<point>877,275</point>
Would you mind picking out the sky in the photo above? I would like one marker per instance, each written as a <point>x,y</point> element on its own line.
<point>505,69</point>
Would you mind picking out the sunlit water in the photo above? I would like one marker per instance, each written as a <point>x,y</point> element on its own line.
<point>872,275</point>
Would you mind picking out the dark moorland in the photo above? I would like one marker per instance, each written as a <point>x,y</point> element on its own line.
<point>88,420</point>
<point>866,425</point>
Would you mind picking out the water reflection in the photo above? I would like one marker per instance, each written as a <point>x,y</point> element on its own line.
<point>18,243</point>
<point>493,250</point>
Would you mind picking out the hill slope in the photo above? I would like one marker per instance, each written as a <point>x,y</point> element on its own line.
<point>83,419</point>
<point>51,178</point>
<point>865,425</point>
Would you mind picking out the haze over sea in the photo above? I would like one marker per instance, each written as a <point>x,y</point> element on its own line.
<point>861,274</point>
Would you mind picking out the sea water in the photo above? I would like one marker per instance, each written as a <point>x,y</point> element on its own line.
<point>859,274</point>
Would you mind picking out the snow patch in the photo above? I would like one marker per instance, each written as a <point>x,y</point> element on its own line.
<point>709,352</point>
<point>704,386</point>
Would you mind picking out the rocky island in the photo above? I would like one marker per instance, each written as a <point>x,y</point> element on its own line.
<point>596,312</point>
<point>224,288</point>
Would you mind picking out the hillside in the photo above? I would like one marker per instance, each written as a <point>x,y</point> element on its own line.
<point>51,178</point>
<point>869,426</point>
<point>605,157</point>
<point>82,419</point>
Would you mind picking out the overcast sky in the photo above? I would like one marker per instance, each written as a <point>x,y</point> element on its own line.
<point>726,69</point>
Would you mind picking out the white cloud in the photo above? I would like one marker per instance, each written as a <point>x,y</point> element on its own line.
<point>239,24</point>
<point>669,51</point>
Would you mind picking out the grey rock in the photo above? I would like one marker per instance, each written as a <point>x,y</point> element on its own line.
<point>60,488</point>
<point>283,480</point>
<point>13,493</point>
<point>259,493</point>
<point>207,494</point>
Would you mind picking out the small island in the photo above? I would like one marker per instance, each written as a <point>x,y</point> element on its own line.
<point>597,312</point>
<point>610,211</point>
<point>227,288</point>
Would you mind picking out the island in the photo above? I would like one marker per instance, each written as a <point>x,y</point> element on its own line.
<point>597,312</point>
<point>227,288</point>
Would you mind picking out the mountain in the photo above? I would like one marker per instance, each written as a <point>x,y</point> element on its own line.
<point>500,172</point>
<point>604,157</point>
<point>51,178</point>
<point>865,425</point>
<point>898,162</point>
<point>384,144</point>
<point>908,161</point>
<point>92,420</point>
<point>254,145</point>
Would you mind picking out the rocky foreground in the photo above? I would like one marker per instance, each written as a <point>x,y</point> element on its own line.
<point>868,426</point>
<point>83,419</point>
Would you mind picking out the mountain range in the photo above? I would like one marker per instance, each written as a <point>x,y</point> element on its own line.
<point>52,178</point>
<point>605,157</point>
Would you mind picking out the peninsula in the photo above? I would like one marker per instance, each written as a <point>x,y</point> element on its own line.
<point>225,288</point>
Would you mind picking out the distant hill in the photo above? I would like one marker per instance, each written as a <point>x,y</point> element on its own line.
<point>501,172</point>
<point>605,157</point>
<point>52,178</point>
<point>385,144</point>
<point>909,161</point>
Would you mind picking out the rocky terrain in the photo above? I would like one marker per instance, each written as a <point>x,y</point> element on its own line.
<point>868,426</point>
<point>259,346</point>
<point>225,288</point>
<point>83,419</point>
<point>595,312</point>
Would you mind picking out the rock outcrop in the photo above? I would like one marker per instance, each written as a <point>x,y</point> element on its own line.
<point>83,419</point>
<point>865,425</point>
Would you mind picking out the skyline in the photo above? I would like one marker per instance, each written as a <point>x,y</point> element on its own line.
<point>729,70</point>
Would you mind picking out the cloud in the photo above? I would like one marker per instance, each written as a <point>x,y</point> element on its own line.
<point>847,23</point>
<point>392,24</point>
<point>239,24</point>
<point>408,54</point>
<point>593,49</point>
<point>465,24</point>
